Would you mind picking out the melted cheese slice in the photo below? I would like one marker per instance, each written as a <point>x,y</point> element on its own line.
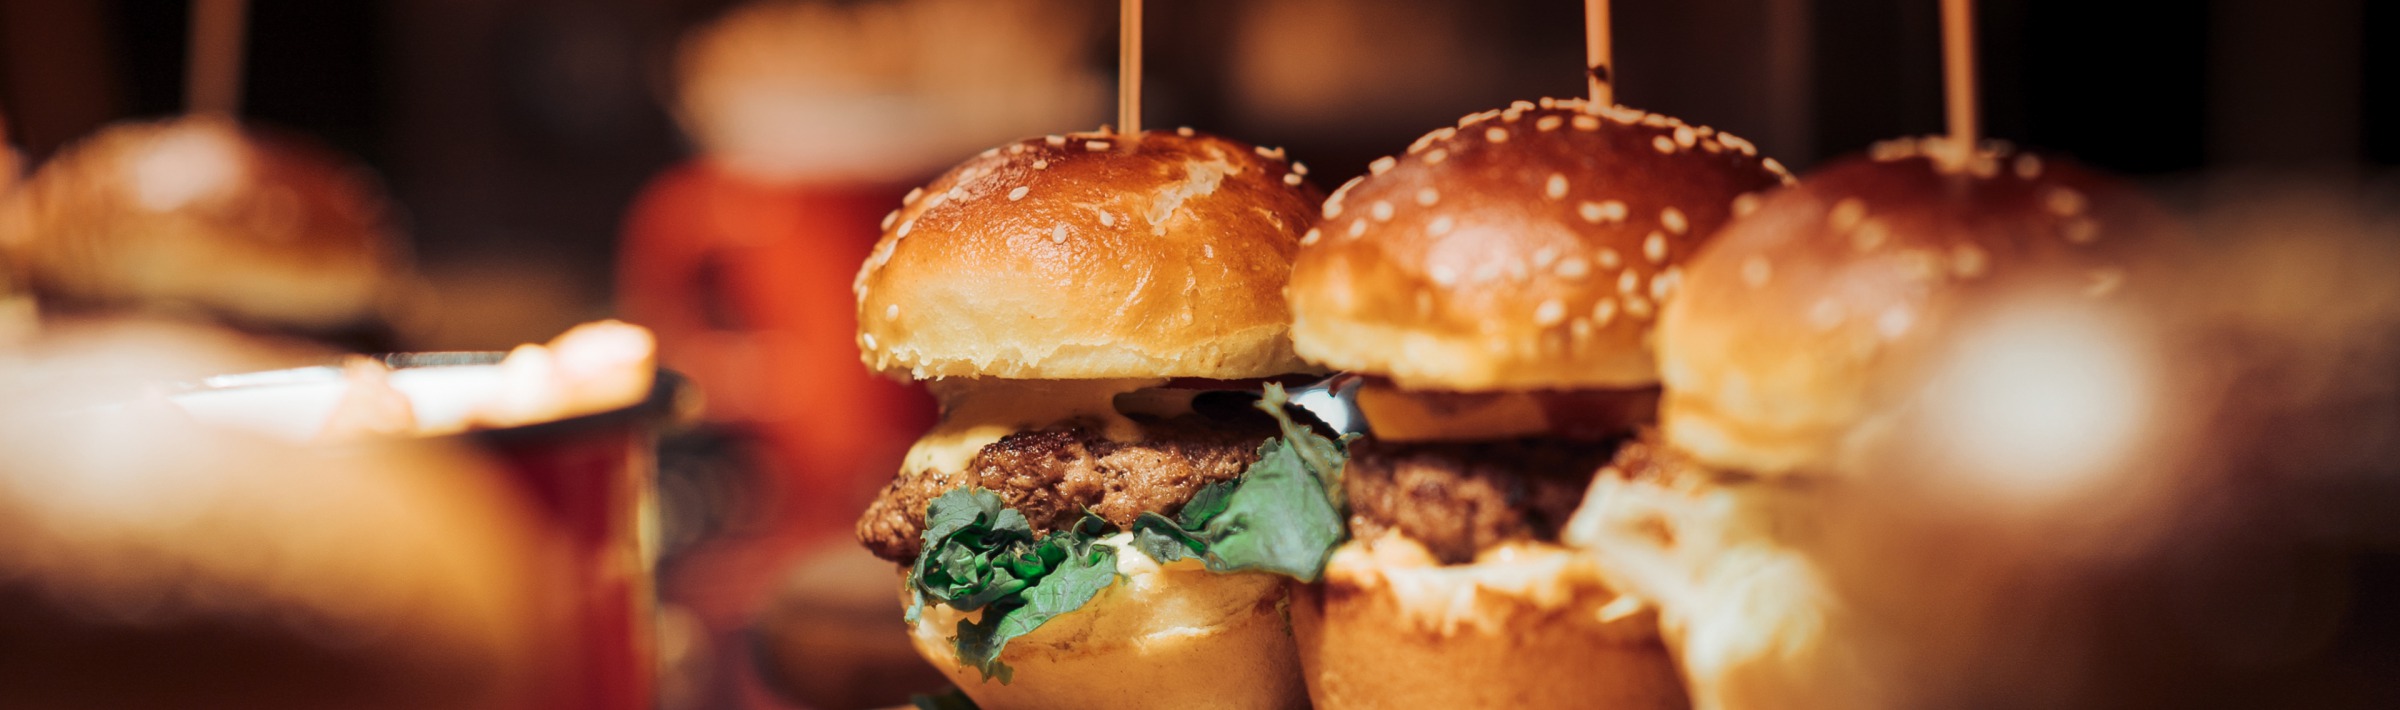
<point>1399,415</point>
<point>976,413</point>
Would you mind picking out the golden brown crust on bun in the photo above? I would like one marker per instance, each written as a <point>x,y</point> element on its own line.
<point>1524,626</point>
<point>1805,318</point>
<point>199,213</point>
<point>1092,255</point>
<point>1173,636</point>
<point>1525,248</point>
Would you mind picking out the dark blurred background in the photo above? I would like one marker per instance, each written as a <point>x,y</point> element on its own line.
<point>515,132</point>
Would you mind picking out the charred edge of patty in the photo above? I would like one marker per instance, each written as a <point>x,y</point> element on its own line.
<point>1460,498</point>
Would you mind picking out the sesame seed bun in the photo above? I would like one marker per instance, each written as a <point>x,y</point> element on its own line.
<point>1811,317</point>
<point>1525,248</point>
<point>196,213</point>
<point>1090,256</point>
<point>1524,626</point>
<point>1177,636</point>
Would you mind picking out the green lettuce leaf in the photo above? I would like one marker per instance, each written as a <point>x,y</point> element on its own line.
<point>1283,515</point>
<point>981,555</point>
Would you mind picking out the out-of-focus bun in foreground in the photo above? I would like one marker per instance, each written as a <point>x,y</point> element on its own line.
<point>1528,247</point>
<point>148,561</point>
<point>199,214</point>
<point>1809,321</point>
<point>1091,255</point>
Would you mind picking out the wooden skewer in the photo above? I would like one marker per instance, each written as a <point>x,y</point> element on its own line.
<point>1958,75</point>
<point>212,80</point>
<point>1599,67</point>
<point>1129,67</point>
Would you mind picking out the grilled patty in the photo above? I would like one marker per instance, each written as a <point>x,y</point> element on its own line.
<point>1460,498</point>
<point>1053,474</point>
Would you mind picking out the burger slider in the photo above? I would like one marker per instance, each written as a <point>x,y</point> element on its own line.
<point>1812,370</point>
<point>1080,530</point>
<point>1498,283</point>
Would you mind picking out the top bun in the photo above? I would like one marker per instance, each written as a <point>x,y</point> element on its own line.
<point>196,213</point>
<point>1528,248</point>
<point>1825,307</point>
<point>1091,256</point>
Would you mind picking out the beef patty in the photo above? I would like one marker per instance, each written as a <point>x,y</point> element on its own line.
<point>1458,498</point>
<point>1053,474</point>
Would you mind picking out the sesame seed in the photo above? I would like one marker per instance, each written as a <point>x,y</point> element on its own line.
<point>1427,196</point>
<point>1312,237</point>
<point>1609,259</point>
<point>1655,247</point>
<point>1042,164</point>
<point>1440,226</point>
<point>1382,210</point>
<point>1058,233</point>
<point>1845,214</point>
<point>1665,283</point>
<point>869,339</point>
<point>1543,257</point>
<point>1520,105</point>
<point>1685,137</point>
<point>1737,143</point>
<point>1550,313</point>
<point>1437,156</point>
<point>1663,144</point>
<point>1496,134</point>
<point>913,195</point>
<point>1016,149</point>
<point>1637,307</point>
<point>1967,260</point>
<point>1208,251</point>
<point>2081,230</point>
<point>1291,179</point>
<point>1185,131</point>
<point>1674,221</point>
<point>1774,167</point>
<point>1095,146</point>
<point>1745,203</point>
<point>1108,219</point>
<point>1628,281</point>
<point>1574,267</point>
<point>1443,275</point>
<point>1358,227</point>
<point>1605,311</point>
<point>989,152</point>
<point>891,312</point>
<point>2028,166</point>
<point>908,225</point>
<point>1581,328</point>
<point>956,193</point>
<point>1756,271</point>
<point>1055,140</point>
<point>1382,165</point>
<point>1018,194</point>
<point>1263,152</point>
<point>1485,272</point>
<point>1516,269</point>
<point>1589,211</point>
<point>1587,123</point>
<point>1870,234</point>
<point>1556,187</point>
<point>1299,168</point>
<point>890,217</point>
<point>1548,123</point>
<point>2064,201</point>
<point>1920,265</point>
<point>1612,211</point>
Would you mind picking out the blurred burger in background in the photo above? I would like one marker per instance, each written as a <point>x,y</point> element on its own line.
<point>1916,414</point>
<point>810,119</point>
<point>1498,283</point>
<point>199,217</point>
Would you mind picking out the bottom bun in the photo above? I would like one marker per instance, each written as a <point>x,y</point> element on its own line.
<point>1174,636</point>
<point>1522,626</point>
